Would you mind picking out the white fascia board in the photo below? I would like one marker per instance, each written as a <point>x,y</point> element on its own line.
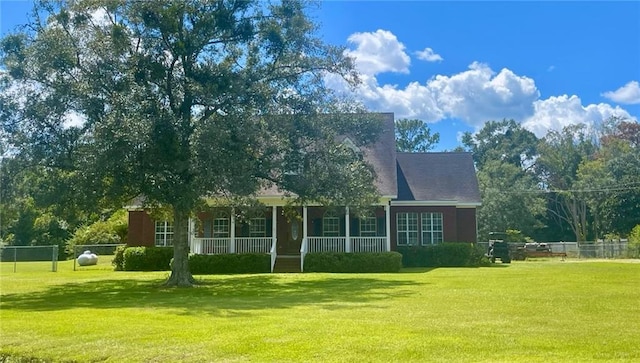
<point>281,200</point>
<point>133,208</point>
<point>468,205</point>
<point>273,200</point>
<point>432,203</point>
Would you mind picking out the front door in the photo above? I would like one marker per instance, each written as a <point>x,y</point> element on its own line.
<point>289,234</point>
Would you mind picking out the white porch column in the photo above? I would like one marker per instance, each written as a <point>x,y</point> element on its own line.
<point>347,229</point>
<point>304,224</point>
<point>232,240</point>
<point>387,219</point>
<point>274,229</point>
<point>191,234</point>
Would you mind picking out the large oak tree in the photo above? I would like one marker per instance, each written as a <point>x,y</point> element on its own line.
<point>176,100</point>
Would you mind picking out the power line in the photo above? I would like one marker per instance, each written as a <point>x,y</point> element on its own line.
<point>613,188</point>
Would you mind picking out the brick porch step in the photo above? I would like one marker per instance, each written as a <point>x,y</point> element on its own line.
<point>287,264</point>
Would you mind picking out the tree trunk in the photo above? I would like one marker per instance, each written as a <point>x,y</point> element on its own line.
<point>180,274</point>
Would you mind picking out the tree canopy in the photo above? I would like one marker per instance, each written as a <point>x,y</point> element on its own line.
<point>578,183</point>
<point>178,100</point>
<point>561,153</point>
<point>504,140</point>
<point>413,135</point>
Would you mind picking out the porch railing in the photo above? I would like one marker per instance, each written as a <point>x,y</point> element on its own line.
<point>326,244</point>
<point>339,244</point>
<point>223,245</point>
<point>209,246</point>
<point>368,244</point>
<point>268,245</point>
<point>253,244</point>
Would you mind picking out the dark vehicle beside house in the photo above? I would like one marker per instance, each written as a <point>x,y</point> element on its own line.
<point>499,249</point>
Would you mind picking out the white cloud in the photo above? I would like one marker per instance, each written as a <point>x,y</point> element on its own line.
<point>556,112</point>
<point>379,52</point>
<point>628,94</point>
<point>413,101</point>
<point>429,55</point>
<point>474,96</point>
<point>479,94</point>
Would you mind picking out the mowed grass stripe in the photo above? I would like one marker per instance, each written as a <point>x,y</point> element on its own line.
<point>528,311</point>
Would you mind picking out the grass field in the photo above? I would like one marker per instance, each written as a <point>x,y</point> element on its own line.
<point>540,311</point>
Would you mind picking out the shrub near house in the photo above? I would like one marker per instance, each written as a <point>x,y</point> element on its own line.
<point>443,255</point>
<point>353,262</point>
<point>147,259</point>
<point>230,264</point>
<point>159,259</point>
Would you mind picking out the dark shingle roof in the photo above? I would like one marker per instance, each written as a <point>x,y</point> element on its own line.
<point>381,155</point>
<point>444,176</point>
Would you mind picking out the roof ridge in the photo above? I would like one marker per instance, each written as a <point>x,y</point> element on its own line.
<point>433,152</point>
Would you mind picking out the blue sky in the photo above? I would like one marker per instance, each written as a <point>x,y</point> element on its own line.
<point>458,64</point>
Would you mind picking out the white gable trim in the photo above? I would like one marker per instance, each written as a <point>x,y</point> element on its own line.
<point>433,203</point>
<point>351,145</point>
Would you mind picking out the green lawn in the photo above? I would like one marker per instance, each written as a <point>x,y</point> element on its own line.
<point>534,311</point>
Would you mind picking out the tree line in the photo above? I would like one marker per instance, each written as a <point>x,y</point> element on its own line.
<point>581,183</point>
<point>577,184</point>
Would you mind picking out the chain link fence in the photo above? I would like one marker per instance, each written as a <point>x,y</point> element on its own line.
<point>47,255</point>
<point>590,249</point>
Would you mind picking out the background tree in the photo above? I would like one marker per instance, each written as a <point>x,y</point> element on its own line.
<point>413,135</point>
<point>504,154</point>
<point>504,140</point>
<point>511,200</point>
<point>574,184</point>
<point>561,153</point>
<point>30,209</point>
<point>179,100</point>
<point>634,242</point>
<point>112,230</point>
<point>610,182</point>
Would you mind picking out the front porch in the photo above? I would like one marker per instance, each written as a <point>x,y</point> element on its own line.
<point>315,229</point>
<point>265,245</point>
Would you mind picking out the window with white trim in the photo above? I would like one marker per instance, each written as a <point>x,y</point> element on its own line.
<point>164,234</point>
<point>330,224</point>
<point>431,224</point>
<point>258,227</point>
<point>368,225</point>
<point>221,227</point>
<point>407,229</point>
